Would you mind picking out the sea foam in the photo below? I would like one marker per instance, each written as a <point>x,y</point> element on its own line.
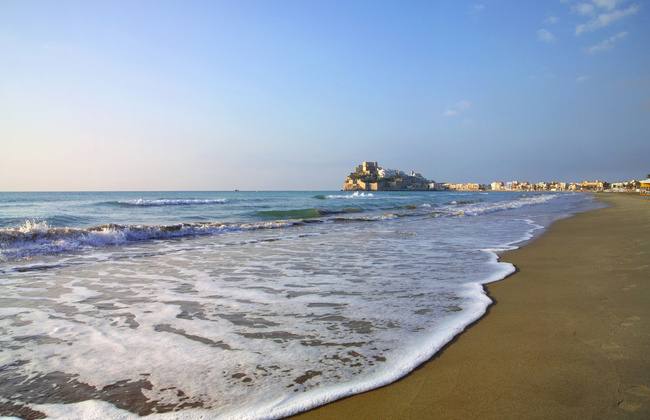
<point>141,202</point>
<point>35,237</point>
<point>356,194</point>
<point>250,326</point>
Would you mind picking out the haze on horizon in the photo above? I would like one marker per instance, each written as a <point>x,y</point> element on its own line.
<point>158,95</point>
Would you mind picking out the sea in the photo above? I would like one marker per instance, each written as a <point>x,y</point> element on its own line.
<point>241,304</point>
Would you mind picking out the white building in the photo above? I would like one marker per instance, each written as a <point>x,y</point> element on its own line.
<point>387,173</point>
<point>497,186</point>
<point>437,186</point>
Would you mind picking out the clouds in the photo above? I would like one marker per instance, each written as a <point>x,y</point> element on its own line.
<point>460,108</point>
<point>600,14</point>
<point>606,44</point>
<point>545,35</point>
<point>594,29</point>
<point>607,4</point>
<point>596,15</point>
<point>551,20</point>
<point>584,9</point>
<point>605,18</point>
<point>590,8</point>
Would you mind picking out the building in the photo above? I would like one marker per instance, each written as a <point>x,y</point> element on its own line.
<point>387,173</point>
<point>497,186</point>
<point>519,186</point>
<point>368,167</point>
<point>437,186</point>
<point>369,176</point>
<point>625,186</point>
<point>594,185</point>
<point>463,187</point>
<point>559,186</point>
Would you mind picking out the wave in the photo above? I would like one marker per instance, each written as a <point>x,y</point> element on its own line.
<point>38,238</point>
<point>356,194</point>
<point>289,214</point>
<point>375,218</point>
<point>478,208</point>
<point>141,202</point>
<point>412,354</point>
<point>463,202</point>
<point>54,220</point>
<point>415,206</point>
<point>310,213</point>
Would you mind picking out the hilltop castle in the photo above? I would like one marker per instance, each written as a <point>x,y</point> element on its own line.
<point>369,176</point>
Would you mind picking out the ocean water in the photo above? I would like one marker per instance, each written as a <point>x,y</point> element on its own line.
<point>241,304</point>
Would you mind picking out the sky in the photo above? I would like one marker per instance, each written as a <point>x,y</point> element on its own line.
<point>282,95</point>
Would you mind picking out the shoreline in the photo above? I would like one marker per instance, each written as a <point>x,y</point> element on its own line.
<point>436,344</point>
<point>483,305</point>
<point>428,390</point>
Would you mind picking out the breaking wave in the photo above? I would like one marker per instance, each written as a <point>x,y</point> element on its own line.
<point>305,213</point>
<point>36,238</point>
<point>356,194</point>
<point>478,208</point>
<point>39,237</point>
<point>141,202</point>
<point>463,202</point>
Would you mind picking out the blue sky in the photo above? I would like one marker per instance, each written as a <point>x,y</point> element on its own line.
<point>293,94</point>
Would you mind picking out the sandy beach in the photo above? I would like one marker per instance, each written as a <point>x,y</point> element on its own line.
<point>568,337</point>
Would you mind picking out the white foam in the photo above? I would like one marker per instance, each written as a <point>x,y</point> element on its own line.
<point>171,202</point>
<point>37,238</point>
<point>90,410</point>
<point>380,276</point>
<point>414,357</point>
<point>415,354</point>
<point>476,209</point>
<point>356,194</point>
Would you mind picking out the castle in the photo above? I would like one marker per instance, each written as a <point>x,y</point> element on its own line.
<point>369,176</point>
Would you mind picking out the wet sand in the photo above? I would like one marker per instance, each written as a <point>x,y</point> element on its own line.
<point>568,337</point>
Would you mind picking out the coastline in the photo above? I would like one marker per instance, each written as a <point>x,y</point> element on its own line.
<point>565,336</point>
<point>419,352</point>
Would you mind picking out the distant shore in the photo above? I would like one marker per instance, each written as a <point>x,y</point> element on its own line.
<point>568,336</point>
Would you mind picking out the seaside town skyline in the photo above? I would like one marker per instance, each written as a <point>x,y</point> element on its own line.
<point>370,176</point>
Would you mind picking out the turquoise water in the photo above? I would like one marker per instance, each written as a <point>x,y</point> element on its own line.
<point>88,209</point>
<point>48,223</point>
<point>241,304</point>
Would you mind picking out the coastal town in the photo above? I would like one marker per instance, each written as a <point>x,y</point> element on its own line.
<point>369,176</point>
